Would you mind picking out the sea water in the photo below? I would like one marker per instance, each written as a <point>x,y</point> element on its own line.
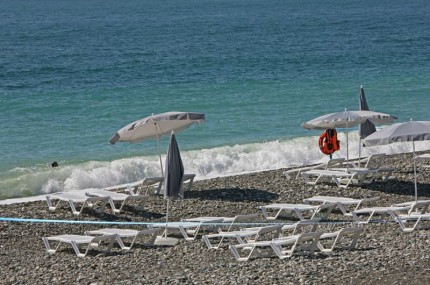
<point>73,72</point>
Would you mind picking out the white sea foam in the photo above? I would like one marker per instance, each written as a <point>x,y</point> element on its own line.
<point>205,163</point>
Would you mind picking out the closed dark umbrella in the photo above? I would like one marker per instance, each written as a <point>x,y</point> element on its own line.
<point>366,128</point>
<point>174,171</point>
<point>173,174</point>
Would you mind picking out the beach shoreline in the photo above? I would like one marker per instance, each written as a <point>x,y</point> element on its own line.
<point>384,254</point>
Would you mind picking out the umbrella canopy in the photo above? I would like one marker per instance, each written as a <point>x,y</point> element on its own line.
<point>347,119</point>
<point>153,127</point>
<point>174,171</point>
<point>401,132</point>
<point>367,127</point>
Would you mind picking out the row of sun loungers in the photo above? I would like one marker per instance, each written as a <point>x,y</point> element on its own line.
<point>402,213</point>
<point>342,173</point>
<point>245,242</point>
<point>123,194</point>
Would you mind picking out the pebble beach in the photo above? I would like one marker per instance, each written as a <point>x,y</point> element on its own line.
<point>384,254</point>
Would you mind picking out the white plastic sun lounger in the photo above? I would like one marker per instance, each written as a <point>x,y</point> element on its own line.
<point>283,247</point>
<point>190,230</point>
<point>76,240</point>
<point>229,222</point>
<point>187,178</point>
<point>417,207</point>
<point>391,211</point>
<point>343,179</point>
<point>117,197</point>
<point>373,164</point>
<point>335,162</point>
<point>243,236</point>
<point>297,209</point>
<point>147,236</point>
<point>140,187</point>
<point>75,198</point>
<point>340,202</point>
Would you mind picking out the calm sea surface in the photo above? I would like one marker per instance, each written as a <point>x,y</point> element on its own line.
<point>74,72</point>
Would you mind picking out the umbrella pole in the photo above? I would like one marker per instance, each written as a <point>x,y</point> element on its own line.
<point>415,172</point>
<point>359,152</point>
<point>347,152</point>
<point>158,147</point>
<point>167,217</point>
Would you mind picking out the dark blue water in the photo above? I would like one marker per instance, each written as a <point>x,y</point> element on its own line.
<point>73,72</point>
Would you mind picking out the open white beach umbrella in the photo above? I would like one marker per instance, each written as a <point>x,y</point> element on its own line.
<point>367,127</point>
<point>411,131</point>
<point>155,126</point>
<point>347,119</point>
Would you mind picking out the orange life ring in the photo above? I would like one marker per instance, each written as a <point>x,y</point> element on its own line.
<point>328,142</point>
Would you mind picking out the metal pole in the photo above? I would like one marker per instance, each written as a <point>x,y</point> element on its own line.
<point>167,217</point>
<point>415,172</point>
<point>159,152</point>
<point>359,152</point>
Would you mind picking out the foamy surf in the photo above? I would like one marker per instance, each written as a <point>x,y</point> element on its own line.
<point>205,163</point>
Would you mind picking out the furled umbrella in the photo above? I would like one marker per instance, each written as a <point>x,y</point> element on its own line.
<point>411,131</point>
<point>155,126</point>
<point>367,127</point>
<point>174,173</point>
<point>347,119</point>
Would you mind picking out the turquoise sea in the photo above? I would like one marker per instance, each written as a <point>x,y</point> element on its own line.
<point>73,72</point>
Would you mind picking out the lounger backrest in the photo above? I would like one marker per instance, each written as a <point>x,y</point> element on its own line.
<point>242,219</point>
<point>306,226</point>
<point>308,241</point>
<point>274,231</point>
<point>351,231</point>
<point>335,162</point>
<point>374,161</point>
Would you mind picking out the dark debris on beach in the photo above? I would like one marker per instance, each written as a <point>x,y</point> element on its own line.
<point>384,255</point>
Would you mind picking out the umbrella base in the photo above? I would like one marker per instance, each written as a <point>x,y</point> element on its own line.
<point>169,241</point>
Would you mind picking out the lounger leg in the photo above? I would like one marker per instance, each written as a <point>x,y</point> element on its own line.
<point>235,252</point>
<point>184,233</point>
<point>48,247</point>
<point>354,241</point>
<point>76,249</point>
<point>112,205</point>
<point>287,253</point>
<point>48,201</point>
<point>266,214</point>
<point>50,206</point>
<point>299,215</point>
<point>72,206</point>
